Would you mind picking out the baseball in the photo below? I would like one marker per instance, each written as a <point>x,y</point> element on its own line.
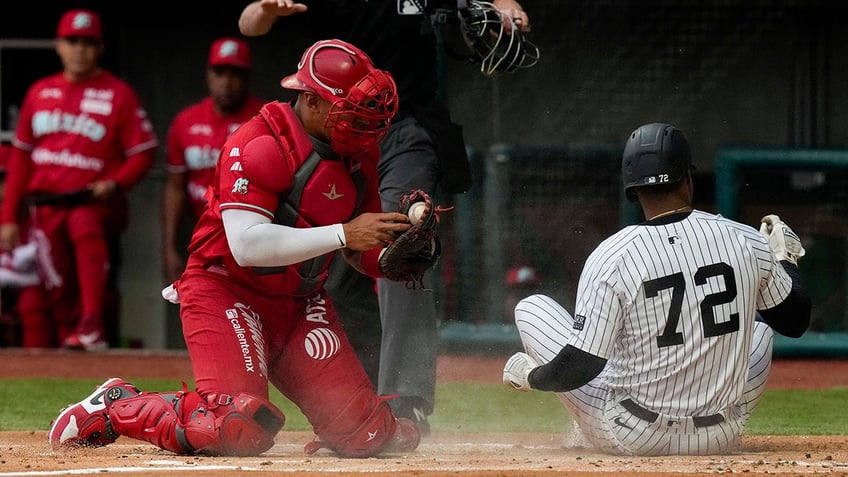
<point>416,211</point>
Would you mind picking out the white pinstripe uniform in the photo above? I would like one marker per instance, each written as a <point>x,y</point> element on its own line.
<point>672,309</point>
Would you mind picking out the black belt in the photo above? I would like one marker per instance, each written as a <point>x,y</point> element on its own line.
<point>651,416</point>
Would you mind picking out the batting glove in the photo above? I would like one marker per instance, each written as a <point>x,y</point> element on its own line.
<point>516,371</point>
<point>784,243</point>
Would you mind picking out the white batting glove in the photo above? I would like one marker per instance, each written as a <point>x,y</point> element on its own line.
<point>516,371</point>
<point>784,243</point>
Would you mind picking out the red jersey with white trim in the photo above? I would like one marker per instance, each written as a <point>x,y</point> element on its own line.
<point>78,133</point>
<point>672,306</point>
<point>194,142</point>
<point>255,171</point>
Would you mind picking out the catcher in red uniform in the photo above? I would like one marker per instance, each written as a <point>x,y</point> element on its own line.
<point>292,186</point>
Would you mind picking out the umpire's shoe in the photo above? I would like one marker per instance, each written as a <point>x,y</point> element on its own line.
<point>406,437</point>
<point>86,423</point>
<point>414,409</point>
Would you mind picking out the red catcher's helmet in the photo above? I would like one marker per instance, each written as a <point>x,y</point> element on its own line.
<point>364,98</point>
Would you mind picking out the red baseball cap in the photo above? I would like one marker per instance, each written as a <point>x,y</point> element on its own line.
<point>80,22</point>
<point>230,52</point>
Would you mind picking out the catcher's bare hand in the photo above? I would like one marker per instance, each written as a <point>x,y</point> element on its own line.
<point>373,230</point>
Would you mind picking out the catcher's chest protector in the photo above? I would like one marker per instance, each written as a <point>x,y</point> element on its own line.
<point>315,184</point>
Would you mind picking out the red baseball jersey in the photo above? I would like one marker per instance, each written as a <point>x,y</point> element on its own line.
<point>256,171</point>
<point>195,138</point>
<point>77,133</point>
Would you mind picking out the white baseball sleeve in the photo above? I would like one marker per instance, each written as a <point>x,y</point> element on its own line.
<point>257,242</point>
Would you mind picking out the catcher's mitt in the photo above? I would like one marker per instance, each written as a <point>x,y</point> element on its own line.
<point>417,250</point>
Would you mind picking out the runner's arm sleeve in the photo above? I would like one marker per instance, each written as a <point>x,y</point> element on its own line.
<point>257,242</point>
<point>570,369</point>
<point>791,317</point>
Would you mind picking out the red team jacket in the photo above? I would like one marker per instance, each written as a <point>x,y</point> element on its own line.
<point>194,138</point>
<point>256,171</point>
<point>76,133</point>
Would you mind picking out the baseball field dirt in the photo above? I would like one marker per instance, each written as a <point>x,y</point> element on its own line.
<point>441,454</point>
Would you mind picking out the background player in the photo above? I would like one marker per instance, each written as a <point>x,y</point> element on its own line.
<point>293,185</point>
<point>195,138</point>
<point>670,346</point>
<point>396,337</point>
<point>80,129</point>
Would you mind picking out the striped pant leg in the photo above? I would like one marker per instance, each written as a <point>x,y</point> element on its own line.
<point>759,368</point>
<point>545,327</point>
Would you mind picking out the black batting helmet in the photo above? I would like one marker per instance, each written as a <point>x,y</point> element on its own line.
<point>655,154</point>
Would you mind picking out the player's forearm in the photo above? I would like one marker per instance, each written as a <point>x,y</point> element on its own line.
<point>255,21</point>
<point>570,369</point>
<point>791,317</point>
<point>173,203</point>
<point>256,242</point>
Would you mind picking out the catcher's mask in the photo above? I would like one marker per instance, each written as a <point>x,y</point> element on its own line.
<point>497,49</point>
<point>364,98</point>
<point>655,154</point>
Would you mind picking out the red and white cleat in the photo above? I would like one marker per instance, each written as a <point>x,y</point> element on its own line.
<point>86,423</point>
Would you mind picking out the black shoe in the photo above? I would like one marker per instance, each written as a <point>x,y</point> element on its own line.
<point>416,410</point>
<point>420,420</point>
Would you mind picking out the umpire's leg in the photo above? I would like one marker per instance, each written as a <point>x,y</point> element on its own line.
<point>355,300</point>
<point>410,341</point>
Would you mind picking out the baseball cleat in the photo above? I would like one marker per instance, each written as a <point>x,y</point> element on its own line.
<point>406,437</point>
<point>86,423</point>
<point>94,341</point>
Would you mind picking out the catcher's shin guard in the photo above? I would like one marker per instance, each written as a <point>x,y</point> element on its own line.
<point>149,417</point>
<point>185,423</point>
<point>363,428</point>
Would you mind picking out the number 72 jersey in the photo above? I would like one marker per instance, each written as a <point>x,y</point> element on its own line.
<point>671,306</point>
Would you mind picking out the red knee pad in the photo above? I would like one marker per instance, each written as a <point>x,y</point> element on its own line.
<point>244,425</point>
<point>363,428</point>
